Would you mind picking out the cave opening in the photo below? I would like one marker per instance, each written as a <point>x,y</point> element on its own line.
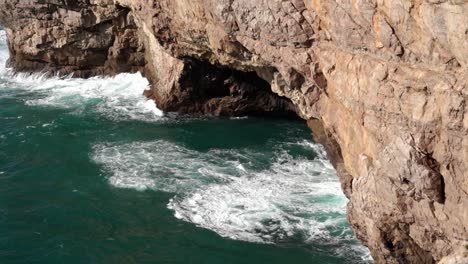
<point>222,91</point>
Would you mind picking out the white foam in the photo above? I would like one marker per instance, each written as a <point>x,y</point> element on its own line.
<point>161,165</point>
<point>3,52</point>
<point>118,98</point>
<point>220,190</point>
<point>269,206</point>
<point>317,148</point>
<point>3,37</point>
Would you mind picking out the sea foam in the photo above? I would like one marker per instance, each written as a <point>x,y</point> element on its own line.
<point>221,190</point>
<point>118,98</point>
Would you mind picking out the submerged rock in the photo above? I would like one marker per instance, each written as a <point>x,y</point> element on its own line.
<point>382,83</point>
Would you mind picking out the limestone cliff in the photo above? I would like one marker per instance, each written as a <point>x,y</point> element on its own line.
<point>383,84</point>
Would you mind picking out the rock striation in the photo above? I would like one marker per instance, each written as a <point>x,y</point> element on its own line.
<point>382,83</point>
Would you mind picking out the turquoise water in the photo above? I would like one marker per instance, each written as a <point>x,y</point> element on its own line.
<point>92,172</point>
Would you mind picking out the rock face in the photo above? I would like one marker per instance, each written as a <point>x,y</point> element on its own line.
<point>71,36</point>
<point>382,83</point>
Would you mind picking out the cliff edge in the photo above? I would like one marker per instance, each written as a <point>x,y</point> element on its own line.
<point>382,83</point>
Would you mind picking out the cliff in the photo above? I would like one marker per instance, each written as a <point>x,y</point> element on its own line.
<point>382,83</point>
<point>71,37</point>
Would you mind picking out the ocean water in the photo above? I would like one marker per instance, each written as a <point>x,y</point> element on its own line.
<point>92,172</point>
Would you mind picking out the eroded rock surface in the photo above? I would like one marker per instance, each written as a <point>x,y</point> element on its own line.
<point>383,84</point>
<point>82,37</point>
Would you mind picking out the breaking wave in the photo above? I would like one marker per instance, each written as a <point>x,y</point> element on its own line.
<point>117,98</point>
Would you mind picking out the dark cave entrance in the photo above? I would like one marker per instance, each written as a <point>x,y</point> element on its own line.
<point>209,89</point>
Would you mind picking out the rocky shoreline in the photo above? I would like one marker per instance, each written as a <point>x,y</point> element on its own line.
<point>383,85</point>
